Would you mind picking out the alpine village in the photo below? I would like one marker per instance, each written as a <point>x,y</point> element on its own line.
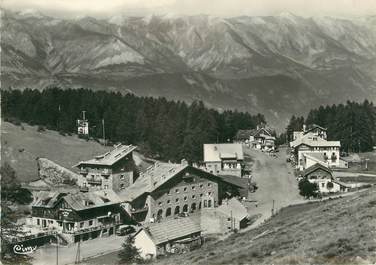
<point>168,196</point>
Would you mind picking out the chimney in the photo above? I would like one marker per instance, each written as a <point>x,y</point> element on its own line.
<point>304,127</point>
<point>184,162</point>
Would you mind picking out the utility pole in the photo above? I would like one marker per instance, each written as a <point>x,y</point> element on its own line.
<point>57,249</point>
<point>104,135</point>
<point>78,253</point>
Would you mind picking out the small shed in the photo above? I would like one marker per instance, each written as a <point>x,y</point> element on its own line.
<point>171,236</point>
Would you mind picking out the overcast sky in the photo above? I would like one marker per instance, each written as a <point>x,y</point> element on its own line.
<point>191,7</point>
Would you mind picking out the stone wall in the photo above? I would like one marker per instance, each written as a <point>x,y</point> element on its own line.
<point>53,173</point>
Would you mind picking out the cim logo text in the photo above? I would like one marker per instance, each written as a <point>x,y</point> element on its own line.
<point>20,249</point>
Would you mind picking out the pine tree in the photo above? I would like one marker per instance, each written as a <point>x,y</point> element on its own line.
<point>129,253</point>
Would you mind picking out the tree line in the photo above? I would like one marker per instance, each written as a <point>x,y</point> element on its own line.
<point>354,124</point>
<point>167,130</point>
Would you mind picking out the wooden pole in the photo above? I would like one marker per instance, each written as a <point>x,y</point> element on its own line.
<point>57,250</point>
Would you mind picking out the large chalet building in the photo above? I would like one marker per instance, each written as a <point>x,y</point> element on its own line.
<point>79,215</point>
<point>260,138</point>
<point>310,147</point>
<point>113,170</point>
<point>323,177</point>
<point>223,159</point>
<point>166,190</point>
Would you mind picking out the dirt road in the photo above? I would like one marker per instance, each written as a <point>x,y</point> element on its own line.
<point>275,181</point>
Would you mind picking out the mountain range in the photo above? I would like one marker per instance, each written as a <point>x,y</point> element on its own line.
<point>276,65</point>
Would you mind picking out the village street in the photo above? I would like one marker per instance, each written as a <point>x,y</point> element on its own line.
<point>67,254</point>
<point>276,182</point>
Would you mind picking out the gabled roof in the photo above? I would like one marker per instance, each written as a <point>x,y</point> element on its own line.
<point>315,143</point>
<point>234,208</point>
<point>47,199</point>
<point>157,175</point>
<point>148,181</point>
<point>171,229</point>
<point>111,157</point>
<point>79,200</point>
<point>316,167</point>
<point>314,126</point>
<point>263,130</point>
<point>215,152</point>
<point>88,200</point>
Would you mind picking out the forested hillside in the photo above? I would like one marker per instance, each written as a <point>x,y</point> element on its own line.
<point>354,124</point>
<point>165,129</point>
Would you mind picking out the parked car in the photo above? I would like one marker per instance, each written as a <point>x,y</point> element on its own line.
<point>125,230</point>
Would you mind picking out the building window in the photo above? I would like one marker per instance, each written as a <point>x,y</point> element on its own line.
<point>90,222</point>
<point>193,196</point>
<point>38,222</point>
<point>106,187</point>
<point>193,187</point>
<point>168,212</point>
<point>177,190</point>
<point>159,203</point>
<point>168,201</point>
<point>201,195</point>
<point>122,186</point>
<point>209,184</point>
<point>169,192</point>
<point>209,193</point>
<point>201,186</point>
<point>185,198</point>
<point>177,200</point>
<point>122,177</point>
<point>81,224</point>
<point>177,210</point>
<point>323,185</point>
<point>185,188</point>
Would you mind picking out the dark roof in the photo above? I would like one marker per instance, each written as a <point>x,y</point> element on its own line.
<point>315,167</point>
<point>172,229</point>
<point>79,200</point>
<point>244,134</point>
<point>234,180</point>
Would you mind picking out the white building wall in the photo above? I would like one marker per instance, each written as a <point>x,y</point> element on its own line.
<point>328,150</point>
<point>146,246</point>
<point>323,185</point>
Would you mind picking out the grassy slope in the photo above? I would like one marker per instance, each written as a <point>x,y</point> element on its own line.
<point>64,150</point>
<point>332,232</point>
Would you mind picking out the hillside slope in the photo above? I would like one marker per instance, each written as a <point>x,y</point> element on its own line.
<point>340,231</point>
<point>241,62</point>
<point>20,148</point>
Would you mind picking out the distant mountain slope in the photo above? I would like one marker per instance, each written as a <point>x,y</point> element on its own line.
<point>275,65</point>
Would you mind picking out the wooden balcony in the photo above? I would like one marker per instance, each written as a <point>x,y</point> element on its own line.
<point>94,181</point>
<point>139,210</point>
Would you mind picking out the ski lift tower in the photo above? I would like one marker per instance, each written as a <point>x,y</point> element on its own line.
<point>83,126</point>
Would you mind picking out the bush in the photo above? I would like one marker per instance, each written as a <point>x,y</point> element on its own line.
<point>308,189</point>
<point>41,128</point>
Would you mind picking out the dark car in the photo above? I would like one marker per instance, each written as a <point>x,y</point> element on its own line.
<point>125,230</point>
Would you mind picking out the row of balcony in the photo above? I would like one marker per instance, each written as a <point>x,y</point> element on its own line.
<point>85,171</point>
<point>91,229</point>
